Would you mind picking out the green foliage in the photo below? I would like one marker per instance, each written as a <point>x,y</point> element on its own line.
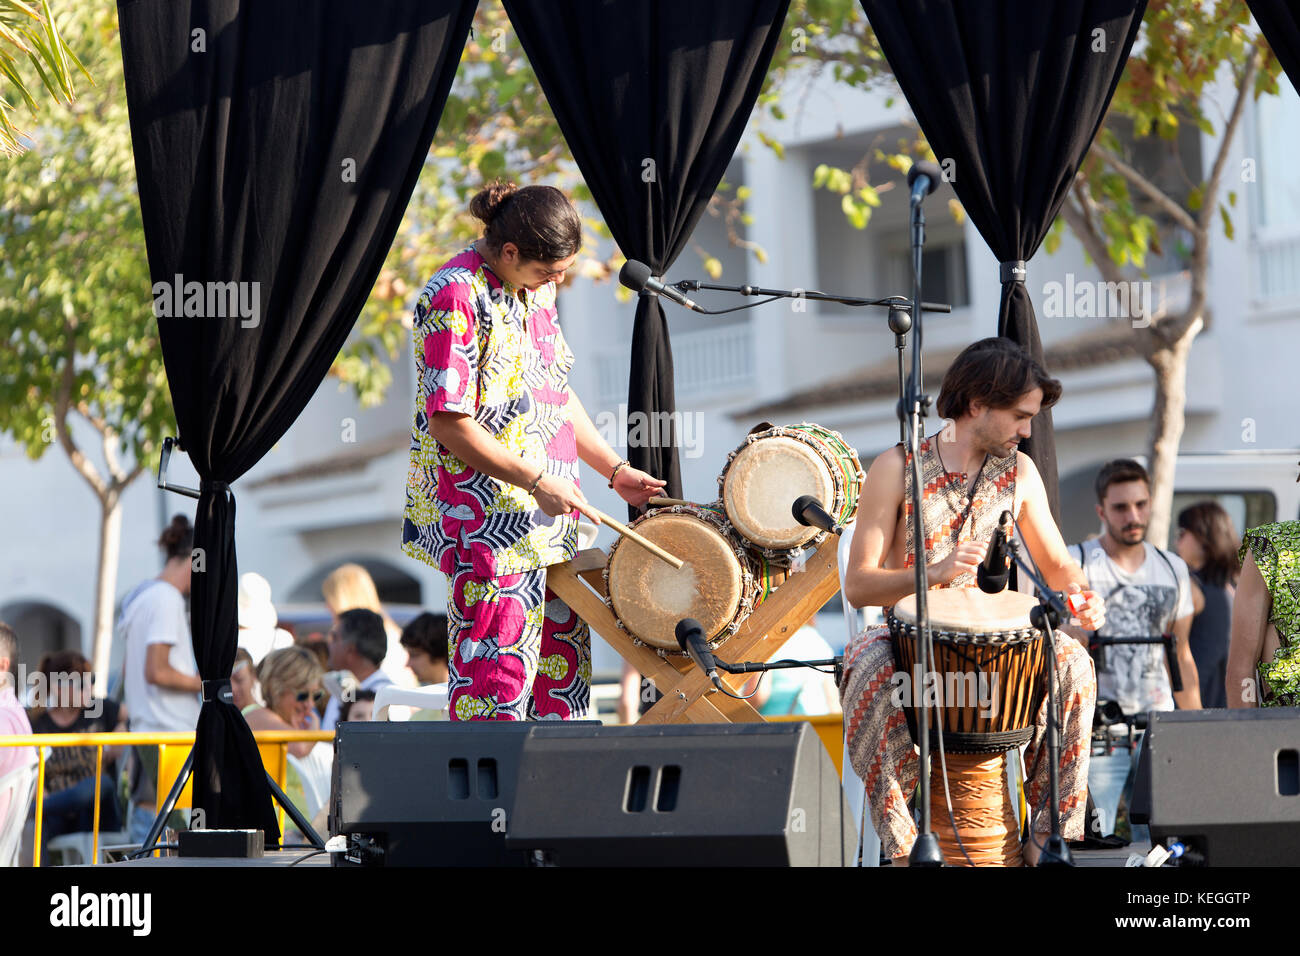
<point>32,30</point>
<point>1184,45</point>
<point>74,282</point>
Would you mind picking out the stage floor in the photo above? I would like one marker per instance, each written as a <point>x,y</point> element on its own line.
<point>276,858</point>
<point>282,858</point>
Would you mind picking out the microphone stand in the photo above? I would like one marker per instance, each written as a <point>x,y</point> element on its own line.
<point>1099,644</point>
<point>751,667</point>
<point>892,302</point>
<point>914,405</point>
<point>1047,616</point>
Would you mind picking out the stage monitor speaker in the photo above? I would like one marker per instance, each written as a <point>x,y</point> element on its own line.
<point>428,793</point>
<point>747,794</point>
<point>1224,783</point>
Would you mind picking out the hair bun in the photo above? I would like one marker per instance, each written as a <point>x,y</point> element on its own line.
<point>178,536</point>
<point>486,204</point>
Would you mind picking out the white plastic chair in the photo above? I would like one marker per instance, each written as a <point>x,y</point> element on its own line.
<point>407,699</point>
<point>20,784</point>
<point>76,849</point>
<point>855,792</point>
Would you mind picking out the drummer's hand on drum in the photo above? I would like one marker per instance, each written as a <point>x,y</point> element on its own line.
<point>1091,614</point>
<point>559,496</point>
<point>635,486</point>
<point>965,557</point>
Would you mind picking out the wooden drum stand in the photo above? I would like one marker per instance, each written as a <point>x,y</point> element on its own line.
<point>688,696</point>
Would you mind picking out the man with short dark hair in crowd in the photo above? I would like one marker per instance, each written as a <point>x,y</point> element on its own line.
<point>1148,593</point>
<point>425,640</point>
<point>358,643</point>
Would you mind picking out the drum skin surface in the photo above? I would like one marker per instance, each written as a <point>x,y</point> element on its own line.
<point>763,482</point>
<point>649,596</point>
<point>970,610</point>
<point>772,468</point>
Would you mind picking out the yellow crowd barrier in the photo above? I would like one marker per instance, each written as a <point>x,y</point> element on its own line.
<point>830,730</point>
<point>172,750</point>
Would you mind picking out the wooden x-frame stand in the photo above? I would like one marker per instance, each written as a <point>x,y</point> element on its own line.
<point>688,696</point>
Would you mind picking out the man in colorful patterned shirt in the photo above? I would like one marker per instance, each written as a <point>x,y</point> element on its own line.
<point>493,482</point>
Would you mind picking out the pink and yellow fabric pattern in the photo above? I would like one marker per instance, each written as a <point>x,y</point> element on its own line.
<point>517,651</point>
<point>488,349</point>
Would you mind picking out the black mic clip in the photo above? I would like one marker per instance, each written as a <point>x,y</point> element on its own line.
<point>810,512</point>
<point>995,570</point>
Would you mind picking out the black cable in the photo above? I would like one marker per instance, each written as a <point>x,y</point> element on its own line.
<point>720,685</point>
<point>811,667</point>
<point>1060,706</point>
<point>308,856</point>
<point>943,759</point>
<point>157,846</point>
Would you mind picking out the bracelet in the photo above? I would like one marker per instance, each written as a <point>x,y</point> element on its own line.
<point>536,482</point>
<point>613,473</point>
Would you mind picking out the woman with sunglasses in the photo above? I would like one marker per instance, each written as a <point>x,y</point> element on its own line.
<point>291,686</point>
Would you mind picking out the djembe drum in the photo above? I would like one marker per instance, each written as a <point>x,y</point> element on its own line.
<point>988,678</point>
<point>720,584</point>
<point>777,464</point>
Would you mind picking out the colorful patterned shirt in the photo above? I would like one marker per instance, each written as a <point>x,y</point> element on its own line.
<point>949,514</point>
<point>1276,550</point>
<point>486,348</point>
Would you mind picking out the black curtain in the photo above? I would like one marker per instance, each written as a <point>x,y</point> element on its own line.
<point>1277,20</point>
<point>276,147</point>
<point>1013,93</point>
<point>652,97</point>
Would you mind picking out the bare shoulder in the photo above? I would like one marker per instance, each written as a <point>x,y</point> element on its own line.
<point>1030,491</point>
<point>885,476</point>
<point>264,718</point>
<point>1027,471</point>
<point>889,462</point>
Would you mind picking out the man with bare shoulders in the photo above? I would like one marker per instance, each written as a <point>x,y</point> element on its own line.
<point>970,473</point>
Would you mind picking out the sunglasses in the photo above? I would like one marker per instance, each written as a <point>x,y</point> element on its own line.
<point>316,695</point>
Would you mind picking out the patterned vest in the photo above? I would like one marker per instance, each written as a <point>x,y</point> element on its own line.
<point>949,518</point>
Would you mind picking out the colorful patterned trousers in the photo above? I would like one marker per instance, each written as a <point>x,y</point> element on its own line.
<point>515,650</point>
<point>883,755</point>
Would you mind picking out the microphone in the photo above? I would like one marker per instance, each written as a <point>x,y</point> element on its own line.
<point>690,638</point>
<point>636,276</point>
<point>994,570</point>
<point>923,178</point>
<point>808,511</point>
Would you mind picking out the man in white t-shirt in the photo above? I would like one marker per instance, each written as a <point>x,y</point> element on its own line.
<point>162,683</point>
<point>1147,593</point>
<point>161,680</point>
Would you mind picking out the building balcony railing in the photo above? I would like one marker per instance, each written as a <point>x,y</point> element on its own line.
<point>1276,268</point>
<point>706,363</point>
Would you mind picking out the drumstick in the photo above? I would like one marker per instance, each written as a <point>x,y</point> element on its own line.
<point>627,532</point>
<point>665,502</point>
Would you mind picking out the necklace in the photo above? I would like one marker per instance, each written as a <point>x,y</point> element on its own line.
<point>967,499</point>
